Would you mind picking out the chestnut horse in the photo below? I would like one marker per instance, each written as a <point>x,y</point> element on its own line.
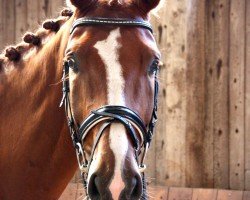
<point>112,66</point>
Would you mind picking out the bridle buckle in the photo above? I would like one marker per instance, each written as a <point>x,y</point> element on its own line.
<point>81,158</point>
<point>142,168</point>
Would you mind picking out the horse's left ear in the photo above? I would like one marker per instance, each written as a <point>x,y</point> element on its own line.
<point>80,4</point>
<point>147,5</point>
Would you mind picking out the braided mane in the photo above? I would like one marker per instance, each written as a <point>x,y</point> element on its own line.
<point>34,40</point>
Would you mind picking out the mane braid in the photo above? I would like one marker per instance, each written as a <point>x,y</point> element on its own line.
<point>34,40</point>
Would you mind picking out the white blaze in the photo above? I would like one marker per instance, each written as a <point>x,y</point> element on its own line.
<point>108,51</point>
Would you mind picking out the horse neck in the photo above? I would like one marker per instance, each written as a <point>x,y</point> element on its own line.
<point>33,130</point>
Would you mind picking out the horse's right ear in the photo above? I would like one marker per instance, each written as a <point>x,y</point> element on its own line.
<point>80,4</point>
<point>147,5</point>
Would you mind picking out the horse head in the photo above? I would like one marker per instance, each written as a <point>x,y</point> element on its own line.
<point>111,69</point>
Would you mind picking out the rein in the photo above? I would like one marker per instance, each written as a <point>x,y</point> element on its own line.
<point>108,114</point>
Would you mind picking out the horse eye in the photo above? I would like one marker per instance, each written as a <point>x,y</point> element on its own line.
<point>154,67</point>
<point>72,64</point>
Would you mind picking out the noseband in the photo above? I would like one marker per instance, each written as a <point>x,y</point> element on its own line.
<point>108,114</point>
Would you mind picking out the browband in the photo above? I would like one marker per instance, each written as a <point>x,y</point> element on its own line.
<point>111,21</point>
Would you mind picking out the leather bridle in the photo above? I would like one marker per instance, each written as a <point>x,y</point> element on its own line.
<point>108,114</point>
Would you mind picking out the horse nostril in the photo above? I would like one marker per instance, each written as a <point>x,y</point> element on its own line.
<point>93,190</point>
<point>136,187</point>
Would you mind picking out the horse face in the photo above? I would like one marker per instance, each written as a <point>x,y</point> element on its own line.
<point>113,67</point>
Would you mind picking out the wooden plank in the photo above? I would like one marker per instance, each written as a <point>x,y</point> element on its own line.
<point>44,10</point>
<point>158,193</point>
<point>180,194</point>
<point>80,193</point>
<point>204,194</point>
<point>229,195</point>
<point>32,15</point>
<point>162,175</point>
<point>9,22</point>
<point>171,132</point>
<point>246,195</point>
<point>196,92</point>
<point>69,192</point>
<point>237,74</point>
<point>2,16</point>
<point>21,19</point>
<point>220,15</point>
<point>151,156</point>
<point>247,179</point>
<point>56,7</point>
<point>208,147</point>
<point>247,100</point>
<point>78,177</point>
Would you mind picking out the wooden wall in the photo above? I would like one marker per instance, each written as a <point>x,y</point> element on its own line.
<point>203,133</point>
<point>203,136</point>
<point>19,16</point>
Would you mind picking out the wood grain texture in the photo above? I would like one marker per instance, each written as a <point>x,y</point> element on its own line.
<point>56,7</point>
<point>70,192</point>
<point>9,22</point>
<point>247,179</point>
<point>180,194</point>
<point>165,193</point>
<point>229,195</point>
<point>161,173</point>
<point>237,100</point>
<point>151,156</point>
<point>247,100</point>
<point>44,10</point>
<point>32,15</point>
<point>21,19</point>
<point>208,146</point>
<point>171,137</point>
<point>205,88</point>
<point>2,15</point>
<point>196,93</point>
<point>246,195</point>
<point>158,192</point>
<point>220,16</point>
<point>204,194</point>
<point>80,193</point>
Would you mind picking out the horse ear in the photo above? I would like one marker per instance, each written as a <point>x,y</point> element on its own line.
<point>80,4</point>
<point>147,5</point>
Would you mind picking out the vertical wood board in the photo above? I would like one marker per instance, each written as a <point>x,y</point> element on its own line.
<point>208,146</point>
<point>21,19</point>
<point>44,10</point>
<point>220,15</point>
<point>172,139</point>
<point>151,156</point>
<point>161,173</point>
<point>247,99</point>
<point>2,15</point>
<point>196,93</point>
<point>32,15</point>
<point>237,74</point>
<point>9,22</point>
<point>56,7</point>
